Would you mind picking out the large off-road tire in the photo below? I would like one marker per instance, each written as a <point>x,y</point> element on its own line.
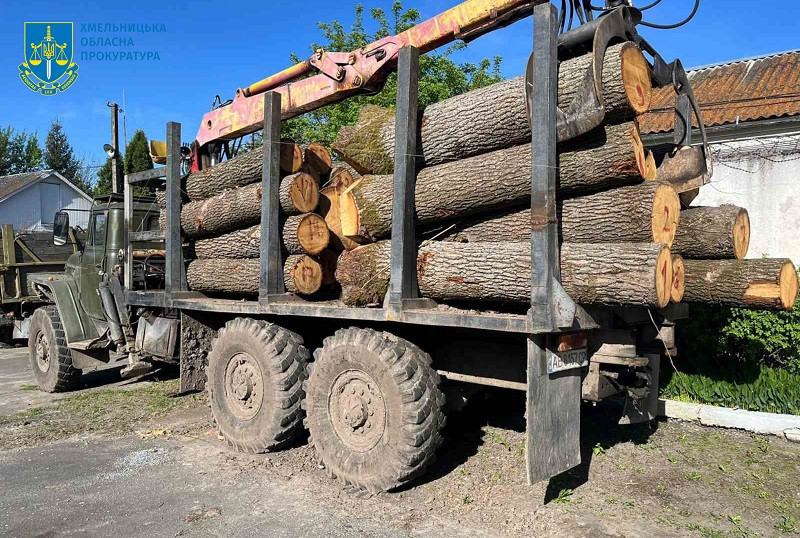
<point>255,380</point>
<point>51,360</point>
<point>374,409</point>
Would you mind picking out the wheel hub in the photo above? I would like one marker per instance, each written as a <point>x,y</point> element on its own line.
<point>42,352</point>
<point>243,386</point>
<point>357,410</point>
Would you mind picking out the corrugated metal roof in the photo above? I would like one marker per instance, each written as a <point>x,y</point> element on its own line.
<point>733,92</point>
<point>15,182</point>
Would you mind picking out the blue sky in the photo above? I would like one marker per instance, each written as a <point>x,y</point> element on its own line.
<point>212,48</point>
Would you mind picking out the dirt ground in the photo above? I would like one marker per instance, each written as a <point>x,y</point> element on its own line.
<point>663,479</point>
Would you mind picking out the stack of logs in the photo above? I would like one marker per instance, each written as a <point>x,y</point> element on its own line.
<point>626,240</point>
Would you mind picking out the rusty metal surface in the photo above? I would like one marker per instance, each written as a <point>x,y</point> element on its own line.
<point>363,70</point>
<point>745,90</point>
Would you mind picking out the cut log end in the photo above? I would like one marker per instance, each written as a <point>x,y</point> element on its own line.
<point>299,193</point>
<point>789,285</point>
<point>678,279</point>
<point>741,234</point>
<point>664,276</point>
<point>650,168</point>
<point>302,274</point>
<point>318,158</point>
<point>646,170</point>
<point>341,177</point>
<point>291,156</point>
<point>636,78</point>
<point>348,212</point>
<point>329,209</point>
<point>666,214</point>
<point>308,233</point>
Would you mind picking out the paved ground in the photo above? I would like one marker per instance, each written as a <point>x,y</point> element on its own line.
<point>133,460</point>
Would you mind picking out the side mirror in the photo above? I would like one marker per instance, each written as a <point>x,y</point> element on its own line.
<point>61,228</point>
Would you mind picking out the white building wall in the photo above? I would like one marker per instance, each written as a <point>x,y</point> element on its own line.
<point>763,177</point>
<point>24,209</point>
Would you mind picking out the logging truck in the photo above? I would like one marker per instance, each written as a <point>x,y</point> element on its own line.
<point>364,301</point>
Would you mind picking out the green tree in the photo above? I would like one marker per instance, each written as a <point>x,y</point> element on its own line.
<point>58,154</point>
<point>103,184</point>
<point>440,77</point>
<point>19,152</point>
<point>137,154</point>
<point>135,159</point>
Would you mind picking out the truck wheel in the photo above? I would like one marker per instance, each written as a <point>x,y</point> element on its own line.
<point>51,360</point>
<point>374,409</point>
<point>255,384</point>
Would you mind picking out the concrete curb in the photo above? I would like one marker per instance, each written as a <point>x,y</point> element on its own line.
<point>787,426</point>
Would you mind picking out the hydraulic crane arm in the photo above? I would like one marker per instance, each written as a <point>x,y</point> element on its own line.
<point>329,77</point>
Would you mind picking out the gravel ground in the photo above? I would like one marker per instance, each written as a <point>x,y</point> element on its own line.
<point>80,466</point>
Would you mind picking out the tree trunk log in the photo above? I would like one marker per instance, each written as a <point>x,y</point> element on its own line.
<point>611,273</point>
<point>646,213</point>
<point>329,209</point>
<point>493,117</point>
<point>299,193</point>
<point>300,234</point>
<point>302,274</point>
<point>305,234</point>
<point>762,283</point>
<point>244,243</point>
<point>713,233</point>
<point>493,181</point>
<point>678,279</point>
<point>317,160</point>
<point>244,169</point>
<point>229,210</point>
<point>342,175</point>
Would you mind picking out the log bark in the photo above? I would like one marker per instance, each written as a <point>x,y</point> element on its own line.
<point>244,169</point>
<point>611,273</point>
<point>299,193</point>
<point>229,210</point>
<point>646,213</point>
<point>492,117</point>
<point>607,157</point>
<point>244,243</point>
<point>301,274</point>
<point>305,234</point>
<point>713,233</point>
<point>678,279</point>
<point>761,283</point>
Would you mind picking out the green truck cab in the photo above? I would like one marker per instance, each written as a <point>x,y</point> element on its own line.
<point>83,323</point>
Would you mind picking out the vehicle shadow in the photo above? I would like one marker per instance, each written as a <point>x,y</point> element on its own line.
<point>599,428</point>
<point>505,409</point>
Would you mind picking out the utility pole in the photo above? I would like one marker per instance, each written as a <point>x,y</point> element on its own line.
<point>116,164</point>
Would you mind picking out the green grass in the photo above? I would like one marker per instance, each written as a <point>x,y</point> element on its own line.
<point>109,410</point>
<point>28,386</point>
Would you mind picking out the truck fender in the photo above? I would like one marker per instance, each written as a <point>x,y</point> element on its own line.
<point>63,293</point>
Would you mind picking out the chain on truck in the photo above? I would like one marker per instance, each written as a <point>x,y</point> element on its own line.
<point>369,383</point>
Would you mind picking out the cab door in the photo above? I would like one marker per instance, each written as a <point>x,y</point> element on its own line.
<point>92,264</point>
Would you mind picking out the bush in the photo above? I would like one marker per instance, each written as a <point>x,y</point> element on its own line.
<point>738,357</point>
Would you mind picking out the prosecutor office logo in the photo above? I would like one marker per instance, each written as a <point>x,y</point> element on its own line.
<point>48,49</point>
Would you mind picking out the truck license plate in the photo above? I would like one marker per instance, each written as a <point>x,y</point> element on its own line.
<point>567,360</point>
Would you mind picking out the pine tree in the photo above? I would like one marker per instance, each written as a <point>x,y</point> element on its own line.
<point>137,154</point>
<point>58,154</point>
<point>103,185</point>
